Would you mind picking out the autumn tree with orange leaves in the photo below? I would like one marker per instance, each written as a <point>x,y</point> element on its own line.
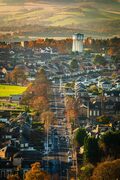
<point>36,173</point>
<point>13,177</point>
<point>47,118</point>
<point>38,92</point>
<point>107,170</point>
<point>40,104</point>
<point>71,108</point>
<point>18,75</point>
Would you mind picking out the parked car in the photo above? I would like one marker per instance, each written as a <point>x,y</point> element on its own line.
<point>69,159</point>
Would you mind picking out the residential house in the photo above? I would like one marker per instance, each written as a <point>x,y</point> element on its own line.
<point>2,77</point>
<point>69,92</point>
<point>80,89</point>
<point>117,84</point>
<point>113,95</point>
<point>104,84</point>
<point>15,97</point>
<point>109,107</point>
<point>82,118</point>
<point>29,155</point>
<point>6,168</point>
<point>94,110</point>
<point>8,152</point>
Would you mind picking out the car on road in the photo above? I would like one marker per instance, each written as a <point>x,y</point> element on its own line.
<point>69,159</point>
<point>69,152</point>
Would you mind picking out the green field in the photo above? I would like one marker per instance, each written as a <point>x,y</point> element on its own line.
<point>7,90</point>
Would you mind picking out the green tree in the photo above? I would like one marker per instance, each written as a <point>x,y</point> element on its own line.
<point>115,60</point>
<point>91,150</point>
<point>110,144</point>
<point>74,64</point>
<point>107,170</point>
<point>99,60</point>
<point>80,135</point>
<point>86,172</point>
<point>93,89</point>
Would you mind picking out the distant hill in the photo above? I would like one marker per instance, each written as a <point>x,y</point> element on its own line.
<point>99,18</point>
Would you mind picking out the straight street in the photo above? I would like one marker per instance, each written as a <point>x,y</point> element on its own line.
<point>59,139</point>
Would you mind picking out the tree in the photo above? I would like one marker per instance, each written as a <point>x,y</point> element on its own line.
<point>35,173</point>
<point>110,144</point>
<point>40,104</point>
<point>107,170</point>
<point>103,119</point>
<point>3,131</point>
<point>41,85</point>
<point>71,115</point>
<point>86,172</point>
<point>71,108</point>
<point>26,98</point>
<point>41,77</point>
<point>31,44</point>
<point>74,64</point>
<point>8,78</point>
<point>80,135</point>
<point>115,60</point>
<point>99,60</point>
<point>114,75</point>
<point>93,89</point>
<point>47,118</point>
<point>111,52</point>
<point>13,177</point>
<point>91,150</point>
<point>18,75</point>
<point>39,89</point>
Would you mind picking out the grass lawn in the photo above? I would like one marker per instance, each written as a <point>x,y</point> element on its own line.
<point>7,90</point>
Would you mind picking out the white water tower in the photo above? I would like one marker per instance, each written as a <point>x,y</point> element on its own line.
<point>22,44</point>
<point>77,42</point>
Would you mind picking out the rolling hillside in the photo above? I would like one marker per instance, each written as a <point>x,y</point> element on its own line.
<point>99,17</point>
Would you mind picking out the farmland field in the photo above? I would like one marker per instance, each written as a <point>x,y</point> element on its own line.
<point>7,90</point>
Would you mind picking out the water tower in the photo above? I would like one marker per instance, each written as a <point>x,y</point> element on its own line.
<point>22,44</point>
<point>77,42</point>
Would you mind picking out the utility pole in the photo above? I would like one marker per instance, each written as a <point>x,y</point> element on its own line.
<point>67,174</point>
<point>76,164</point>
<point>60,84</point>
<point>88,108</point>
<point>47,141</point>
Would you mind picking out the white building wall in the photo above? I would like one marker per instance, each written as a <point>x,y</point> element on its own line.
<point>78,43</point>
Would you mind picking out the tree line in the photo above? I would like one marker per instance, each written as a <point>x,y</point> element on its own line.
<point>37,97</point>
<point>109,46</point>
